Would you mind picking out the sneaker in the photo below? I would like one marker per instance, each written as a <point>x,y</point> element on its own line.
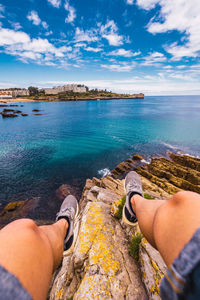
<point>68,211</point>
<point>132,185</point>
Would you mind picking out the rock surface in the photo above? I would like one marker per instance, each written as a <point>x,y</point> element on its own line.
<point>101,266</point>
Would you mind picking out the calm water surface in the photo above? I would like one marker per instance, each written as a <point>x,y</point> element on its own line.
<point>76,140</point>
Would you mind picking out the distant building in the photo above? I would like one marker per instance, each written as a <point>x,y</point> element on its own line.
<point>66,88</point>
<point>51,91</point>
<point>20,92</point>
<point>5,94</point>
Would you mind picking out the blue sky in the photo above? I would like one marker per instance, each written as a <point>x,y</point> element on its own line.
<point>149,46</point>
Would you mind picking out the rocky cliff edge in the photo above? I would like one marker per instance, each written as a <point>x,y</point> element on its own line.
<point>111,260</point>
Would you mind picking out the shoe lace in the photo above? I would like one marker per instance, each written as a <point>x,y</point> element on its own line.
<point>69,212</point>
<point>132,185</point>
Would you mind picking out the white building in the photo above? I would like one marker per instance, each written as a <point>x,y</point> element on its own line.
<point>52,91</point>
<point>66,88</point>
<point>20,92</point>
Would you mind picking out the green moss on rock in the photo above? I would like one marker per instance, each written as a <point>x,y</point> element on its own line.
<point>147,196</point>
<point>118,215</point>
<point>134,245</point>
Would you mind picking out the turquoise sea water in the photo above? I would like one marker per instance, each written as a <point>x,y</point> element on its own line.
<point>73,141</point>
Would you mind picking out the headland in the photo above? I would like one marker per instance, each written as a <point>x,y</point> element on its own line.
<point>69,92</point>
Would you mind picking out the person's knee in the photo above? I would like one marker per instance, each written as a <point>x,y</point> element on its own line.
<point>182,197</point>
<point>21,224</point>
<point>29,224</point>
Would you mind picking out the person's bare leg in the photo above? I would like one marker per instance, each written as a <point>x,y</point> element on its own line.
<point>32,253</point>
<point>145,211</point>
<point>168,225</point>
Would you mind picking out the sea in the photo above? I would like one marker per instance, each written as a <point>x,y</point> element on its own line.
<point>72,141</point>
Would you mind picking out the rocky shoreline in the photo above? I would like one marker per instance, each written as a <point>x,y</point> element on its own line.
<point>111,260</point>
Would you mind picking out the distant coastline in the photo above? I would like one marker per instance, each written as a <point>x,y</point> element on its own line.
<point>49,99</point>
<point>69,92</point>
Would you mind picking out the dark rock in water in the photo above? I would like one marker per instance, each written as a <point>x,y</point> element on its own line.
<point>16,210</point>
<point>62,192</point>
<point>14,105</point>
<point>21,105</point>
<point>5,115</point>
<point>3,105</point>
<point>38,114</point>
<point>18,111</point>
<point>36,110</point>
<point>137,157</point>
<point>8,110</point>
<point>24,115</point>
<point>65,189</point>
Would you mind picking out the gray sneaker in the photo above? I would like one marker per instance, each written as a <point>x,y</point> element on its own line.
<point>132,185</point>
<point>68,211</point>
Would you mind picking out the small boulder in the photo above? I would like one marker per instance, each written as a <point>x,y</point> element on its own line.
<point>137,157</point>
<point>62,192</point>
<point>5,115</point>
<point>8,110</point>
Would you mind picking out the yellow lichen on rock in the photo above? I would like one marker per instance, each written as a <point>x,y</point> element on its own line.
<point>59,294</point>
<point>93,287</point>
<point>95,237</point>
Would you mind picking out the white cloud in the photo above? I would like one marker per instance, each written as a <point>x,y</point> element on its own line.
<point>123,52</point>
<point>15,25</point>
<point>10,37</point>
<point>147,4</point>
<point>181,67</point>
<point>2,9</point>
<point>154,59</point>
<point>109,32</point>
<point>123,67</point>
<point>19,44</point>
<point>130,2</point>
<point>48,33</point>
<point>87,36</point>
<point>55,3</point>
<point>180,15</point>
<point>93,49</point>
<point>72,13</point>
<point>33,16</point>
<point>45,25</point>
<point>167,67</point>
<point>80,45</point>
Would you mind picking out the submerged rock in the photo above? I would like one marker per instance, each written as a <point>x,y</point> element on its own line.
<point>18,209</point>
<point>62,192</point>
<point>5,115</point>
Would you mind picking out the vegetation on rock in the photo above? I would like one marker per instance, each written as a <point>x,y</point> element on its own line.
<point>135,245</point>
<point>147,196</point>
<point>118,215</point>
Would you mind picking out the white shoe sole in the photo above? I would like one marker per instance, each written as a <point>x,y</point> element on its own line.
<point>76,230</point>
<point>126,221</point>
<point>124,218</point>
